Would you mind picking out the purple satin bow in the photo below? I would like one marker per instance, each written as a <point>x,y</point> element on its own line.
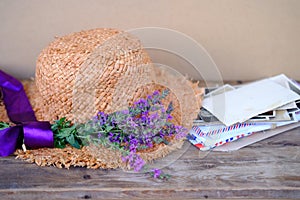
<point>36,134</point>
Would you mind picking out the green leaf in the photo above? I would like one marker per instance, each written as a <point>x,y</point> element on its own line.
<point>4,125</point>
<point>157,140</point>
<point>59,144</point>
<point>70,139</point>
<point>109,128</point>
<point>143,147</point>
<point>165,141</point>
<point>165,93</point>
<point>170,108</point>
<point>65,133</point>
<point>76,145</point>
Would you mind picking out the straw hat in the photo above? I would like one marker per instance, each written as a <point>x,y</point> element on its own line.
<point>82,73</point>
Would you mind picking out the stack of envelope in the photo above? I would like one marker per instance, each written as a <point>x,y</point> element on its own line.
<point>246,113</point>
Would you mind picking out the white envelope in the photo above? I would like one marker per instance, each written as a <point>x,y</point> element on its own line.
<point>233,146</point>
<point>287,83</point>
<point>239,105</point>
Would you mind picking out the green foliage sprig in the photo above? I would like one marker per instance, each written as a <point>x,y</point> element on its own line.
<point>4,125</point>
<point>65,133</point>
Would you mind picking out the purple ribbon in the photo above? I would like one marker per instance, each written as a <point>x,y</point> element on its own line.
<point>36,134</point>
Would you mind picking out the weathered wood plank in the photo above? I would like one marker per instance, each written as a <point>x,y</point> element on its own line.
<point>150,194</point>
<point>269,168</point>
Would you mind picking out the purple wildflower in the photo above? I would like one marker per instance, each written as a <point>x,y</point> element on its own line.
<point>125,112</point>
<point>114,137</point>
<point>133,145</point>
<point>134,160</point>
<point>156,93</point>
<point>169,117</point>
<point>181,132</point>
<point>156,173</point>
<point>141,104</point>
<point>154,116</point>
<point>101,118</point>
<point>139,163</point>
<point>133,123</point>
<point>144,118</point>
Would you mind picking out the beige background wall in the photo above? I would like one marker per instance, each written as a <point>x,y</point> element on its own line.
<point>248,39</point>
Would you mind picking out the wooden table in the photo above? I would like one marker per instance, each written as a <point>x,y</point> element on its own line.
<point>267,169</point>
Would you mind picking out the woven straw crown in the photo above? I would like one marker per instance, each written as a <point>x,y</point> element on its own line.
<point>88,58</point>
<point>98,70</point>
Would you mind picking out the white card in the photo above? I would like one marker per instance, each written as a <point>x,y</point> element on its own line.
<point>239,105</point>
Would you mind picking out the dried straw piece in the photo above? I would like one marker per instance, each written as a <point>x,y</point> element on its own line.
<point>3,115</point>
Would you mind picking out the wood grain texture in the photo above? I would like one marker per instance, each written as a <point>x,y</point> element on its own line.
<point>267,169</point>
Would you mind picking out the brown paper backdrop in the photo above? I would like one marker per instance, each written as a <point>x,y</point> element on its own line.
<point>247,39</point>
